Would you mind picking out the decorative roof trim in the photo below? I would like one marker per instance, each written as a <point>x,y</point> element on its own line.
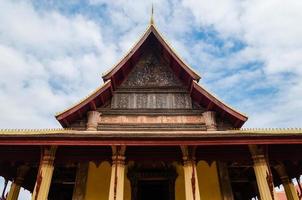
<point>219,103</point>
<point>151,28</point>
<point>84,101</point>
<point>61,131</point>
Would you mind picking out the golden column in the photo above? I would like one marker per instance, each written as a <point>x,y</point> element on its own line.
<point>290,191</point>
<point>44,173</point>
<point>16,185</point>
<point>116,191</point>
<point>262,173</point>
<point>190,173</point>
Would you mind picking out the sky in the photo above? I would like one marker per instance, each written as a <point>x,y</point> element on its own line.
<point>53,53</point>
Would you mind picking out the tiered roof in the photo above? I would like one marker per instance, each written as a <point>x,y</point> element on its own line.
<point>116,75</point>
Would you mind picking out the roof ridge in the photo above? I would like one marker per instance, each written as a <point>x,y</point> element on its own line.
<point>154,29</point>
<point>83,99</point>
<point>126,53</point>
<point>174,51</point>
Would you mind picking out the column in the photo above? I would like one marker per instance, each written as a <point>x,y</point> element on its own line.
<point>80,182</point>
<point>92,120</point>
<point>224,180</point>
<point>290,191</point>
<point>190,173</point>
<point>16,185</point>
<point>210,120</point>
<point>116,191</point>
<point>44,173</point>
<point>262,173</point>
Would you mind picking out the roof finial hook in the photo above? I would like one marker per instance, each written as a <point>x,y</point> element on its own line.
<point>152,20</point>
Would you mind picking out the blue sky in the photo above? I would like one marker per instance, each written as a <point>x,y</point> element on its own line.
<point>52,53</point>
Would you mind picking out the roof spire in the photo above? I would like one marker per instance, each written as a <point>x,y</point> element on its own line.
<point>152,20</point>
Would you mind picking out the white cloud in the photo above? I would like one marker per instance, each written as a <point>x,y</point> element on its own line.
<point>47,61</point>
<point>272,33</point>
<point>65,54</point>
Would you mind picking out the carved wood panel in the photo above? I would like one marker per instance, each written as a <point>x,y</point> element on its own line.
<point>151,71</point>
<point>151,101</point>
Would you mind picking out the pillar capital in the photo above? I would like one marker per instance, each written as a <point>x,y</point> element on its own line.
<point>210,120</point>
<point>118,155</point>
<point>16,185</point>
<point>92,120</point>
<point>188,154</point>
<point>257,151</point>
<point>21,173</point>
<point>280,169</point>
<point>289,187</point>
<point>48,154</point>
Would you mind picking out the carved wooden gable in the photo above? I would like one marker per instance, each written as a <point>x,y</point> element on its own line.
<point>151,72</point>
<point>151,85</point>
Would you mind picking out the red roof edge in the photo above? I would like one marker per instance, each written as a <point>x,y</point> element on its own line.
<point>150,29</point>
<point>238,118</point>
<point>85,103</point>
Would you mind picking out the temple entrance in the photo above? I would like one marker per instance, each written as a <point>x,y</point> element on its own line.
<point>154,181</point>
<point>150,190</point>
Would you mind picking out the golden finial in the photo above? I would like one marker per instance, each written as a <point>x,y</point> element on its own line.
<point>152,20</point>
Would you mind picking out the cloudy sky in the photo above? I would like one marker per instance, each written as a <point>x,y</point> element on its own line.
<point>52,53</point>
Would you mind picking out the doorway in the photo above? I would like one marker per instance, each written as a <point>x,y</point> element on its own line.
<point>153,189</point>
<point>152,181</point>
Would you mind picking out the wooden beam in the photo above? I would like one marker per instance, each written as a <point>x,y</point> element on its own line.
<point>80,113</point>
<point>222,114</point>
<point>210,105</point>
<point>65,121</point>
<point>113,82</point>
<point>102,99</point>
<point>237,123</point>
<point>92,105</point>
<point>191,88</point>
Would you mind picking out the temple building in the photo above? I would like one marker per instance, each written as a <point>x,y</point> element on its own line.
<point>151,132</point>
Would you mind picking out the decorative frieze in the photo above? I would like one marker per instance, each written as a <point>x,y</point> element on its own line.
<point>129,100</point>
<point>150,119</point>
<point>149,71</point>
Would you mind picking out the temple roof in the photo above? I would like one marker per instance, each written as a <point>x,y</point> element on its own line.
<point>116,75</point>
<point>130,56</point>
